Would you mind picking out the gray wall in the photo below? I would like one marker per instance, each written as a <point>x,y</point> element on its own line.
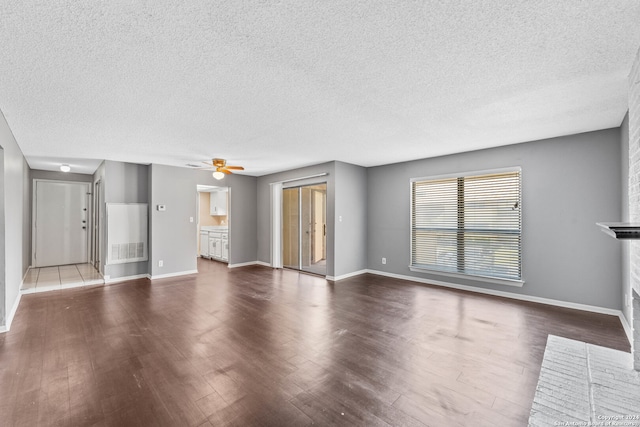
<point>14,220</point>
<point>264,207</point>
<point>124,183</point>
<point>350,246</point>
<point>58,176</point>
<point>3,281</point>
<point>569,184</point>
<point>127,182</point>
<point>172,237</point>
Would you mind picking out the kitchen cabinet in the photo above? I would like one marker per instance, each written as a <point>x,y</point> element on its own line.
<point>204,244</point>
<point>218,203</point>
<point>225,246</point>
<point>218,245</point>
<point>215,245</point>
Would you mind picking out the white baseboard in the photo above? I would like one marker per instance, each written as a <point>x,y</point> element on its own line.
<point>346,276</point>
<point>245,264</point>
<point>12,314</point>
<point>108,280</point>
<point>14,309</point>
<point>529,298</point>
<point>179,273</point>
<point>627,327</point>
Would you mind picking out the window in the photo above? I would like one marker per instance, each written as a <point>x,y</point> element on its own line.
<point>468,225</point>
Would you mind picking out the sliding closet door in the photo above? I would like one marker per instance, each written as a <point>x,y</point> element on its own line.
<point>304,228</point>
<point>290,228</point>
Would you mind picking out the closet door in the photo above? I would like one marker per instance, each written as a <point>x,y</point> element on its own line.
<point>291,228</point>
<point>304,228</point>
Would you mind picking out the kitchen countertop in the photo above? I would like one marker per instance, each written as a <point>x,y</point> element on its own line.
<point>214,228</point>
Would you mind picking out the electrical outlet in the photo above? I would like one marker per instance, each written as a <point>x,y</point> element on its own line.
<point>384,260</point>
<point>161,263</point>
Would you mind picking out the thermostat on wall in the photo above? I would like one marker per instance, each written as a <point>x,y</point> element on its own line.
<point>162,207</point>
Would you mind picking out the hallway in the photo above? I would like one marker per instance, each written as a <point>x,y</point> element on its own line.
<point>55,278</point>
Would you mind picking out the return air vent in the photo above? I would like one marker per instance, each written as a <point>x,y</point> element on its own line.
<point>127,232</point>
<point>127,252</point>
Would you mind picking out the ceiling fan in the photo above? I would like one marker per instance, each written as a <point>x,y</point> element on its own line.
<point>221,168</point>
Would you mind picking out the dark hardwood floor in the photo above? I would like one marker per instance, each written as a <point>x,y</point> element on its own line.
<point>256,346</point>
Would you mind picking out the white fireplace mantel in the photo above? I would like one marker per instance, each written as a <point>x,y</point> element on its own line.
<point>621,230</point>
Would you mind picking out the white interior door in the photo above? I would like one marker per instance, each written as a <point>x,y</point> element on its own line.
<point>61,229</point>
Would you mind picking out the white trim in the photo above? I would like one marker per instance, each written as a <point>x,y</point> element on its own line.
<point>494,280</point>
<point>108,280</point>
<point>346,276</point>
<point>627,328</point>
<point>178,273</point>
<point>529,298</point>
<point>12,314</point>
<point>466,174</point>
<point>246,264</point>
<point>276,224</point>
<point>301,178</point>
<point>14,309</point>
<point>264,264</point>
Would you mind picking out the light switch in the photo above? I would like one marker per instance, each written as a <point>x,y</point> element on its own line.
<point>190,219</point>
<point>162,207</point>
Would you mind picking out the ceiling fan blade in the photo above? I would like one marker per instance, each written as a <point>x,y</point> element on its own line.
<point>224,170</point>
<point>240,168</point>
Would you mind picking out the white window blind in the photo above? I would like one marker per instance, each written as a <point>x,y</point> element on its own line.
<point>468,225</point>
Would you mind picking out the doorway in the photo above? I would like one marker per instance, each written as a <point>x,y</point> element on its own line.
<point>60,224</point>
<point>213,222</point>
<point>304,236</point>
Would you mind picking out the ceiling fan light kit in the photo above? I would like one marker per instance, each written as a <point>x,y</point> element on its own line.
<point>221,168</point>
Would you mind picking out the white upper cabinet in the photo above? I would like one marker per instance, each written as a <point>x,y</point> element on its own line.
<point>218,203</point>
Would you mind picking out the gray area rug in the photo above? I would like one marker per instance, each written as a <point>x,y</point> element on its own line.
<point>582,384</point>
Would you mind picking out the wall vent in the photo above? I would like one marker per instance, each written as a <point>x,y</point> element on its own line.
<point>127,232</point>
<point>127,252</point>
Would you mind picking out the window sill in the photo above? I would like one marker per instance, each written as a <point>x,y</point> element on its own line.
<point>493,280</point>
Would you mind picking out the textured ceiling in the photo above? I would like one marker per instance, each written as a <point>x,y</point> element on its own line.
<point>274,85</point>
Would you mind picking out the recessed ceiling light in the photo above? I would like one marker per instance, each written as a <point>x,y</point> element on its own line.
<point>65,168</point>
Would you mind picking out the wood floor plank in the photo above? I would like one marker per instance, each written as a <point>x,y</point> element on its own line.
<point>257,346</point>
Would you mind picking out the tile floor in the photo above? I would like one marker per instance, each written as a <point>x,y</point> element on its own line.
<point>60,277</point>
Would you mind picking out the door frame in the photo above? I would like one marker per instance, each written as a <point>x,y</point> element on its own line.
<point>279,235</point>
<point>322,213</point>
<point>276,212</point>
<point>96,224</point>
<point>34,212</point>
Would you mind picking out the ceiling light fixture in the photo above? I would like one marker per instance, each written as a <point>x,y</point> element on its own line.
<point>218,175</point>
<point>65,168</point>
